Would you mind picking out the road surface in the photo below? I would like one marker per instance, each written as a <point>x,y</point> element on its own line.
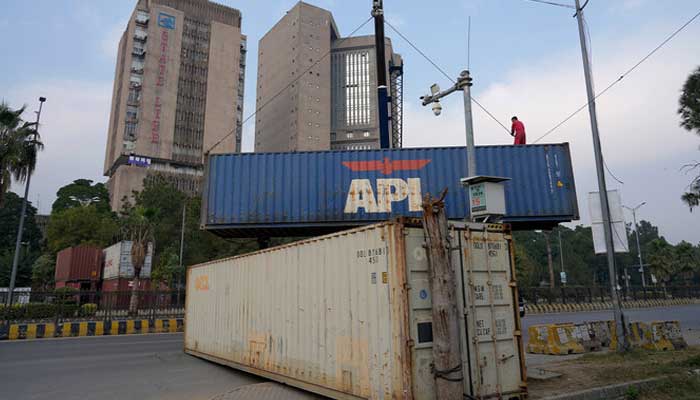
<point>154,366</point>
<point>111,367</point>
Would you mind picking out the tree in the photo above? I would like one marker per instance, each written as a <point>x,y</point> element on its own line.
<point>31,240</point>
<point>661,260</point>
<point>81,193</point>
<point>138,227</point>
<point>689,109</point>
<point>44,272</point>
<point>81,225</point>
<point>168,269</point>
<point>19,145</point>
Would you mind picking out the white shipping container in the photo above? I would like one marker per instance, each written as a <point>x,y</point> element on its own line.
<point>117,258</point>
<point>348,315</point>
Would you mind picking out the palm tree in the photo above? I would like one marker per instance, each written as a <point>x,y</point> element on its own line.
<point>19,145</point>
<point>138,227</point>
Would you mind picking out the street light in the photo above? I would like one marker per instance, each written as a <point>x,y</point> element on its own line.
<point>85,202</point>
<point>636,233</point>
<point>549,256</point>
<point>18,243</point>
<point>464,83</point>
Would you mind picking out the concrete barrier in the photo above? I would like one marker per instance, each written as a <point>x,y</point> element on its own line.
<point>553,339</point>
<point>91,328</point>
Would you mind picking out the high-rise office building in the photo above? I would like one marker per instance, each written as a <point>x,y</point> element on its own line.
<point>308,99</point>
<point>178,90</point>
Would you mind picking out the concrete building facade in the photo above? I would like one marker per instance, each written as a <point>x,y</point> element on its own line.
<point>178,91</point>
<point>315,89</point>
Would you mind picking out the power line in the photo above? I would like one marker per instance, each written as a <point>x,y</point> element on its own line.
<point>551,3</point>
<point>640,62</point>
<point>442,71</point>
<point>293,81</point>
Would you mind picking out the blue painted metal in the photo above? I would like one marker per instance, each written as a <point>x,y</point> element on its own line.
<point>250,194</point>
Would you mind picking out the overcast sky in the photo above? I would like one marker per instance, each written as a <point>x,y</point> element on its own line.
<point>525,60</point>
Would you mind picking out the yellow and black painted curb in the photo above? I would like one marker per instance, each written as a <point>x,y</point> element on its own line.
<point>92,328</point>
<point>601,306</point>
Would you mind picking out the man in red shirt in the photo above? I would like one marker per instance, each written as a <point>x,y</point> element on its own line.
<point>517,130</point>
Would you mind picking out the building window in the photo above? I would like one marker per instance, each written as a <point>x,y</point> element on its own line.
<point>350,135</point>
<point>131,113</point>
<point>134,95</point>
<point>366,134</point>
<point>357,88</point>
<point>130,130</point>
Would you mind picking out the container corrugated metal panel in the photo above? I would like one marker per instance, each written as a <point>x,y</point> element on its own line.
<point>275,191</point>
<point>78,263</point>
<point>292,312</point>
<point>117,258</point>
<point>339,315</point>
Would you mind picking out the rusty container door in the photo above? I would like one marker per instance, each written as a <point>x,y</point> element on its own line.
<point>327,314</point>
<point>492,353</point>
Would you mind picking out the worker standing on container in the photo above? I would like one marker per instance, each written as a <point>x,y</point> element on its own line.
<point>518,131</point>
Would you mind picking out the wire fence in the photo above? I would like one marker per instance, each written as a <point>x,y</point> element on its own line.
<point>61,306</point>
<point>586,294</point>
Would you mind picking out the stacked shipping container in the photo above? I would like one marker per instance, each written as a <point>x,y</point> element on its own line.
<point>79,267</point>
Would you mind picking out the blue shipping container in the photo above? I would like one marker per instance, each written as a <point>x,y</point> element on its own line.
<point>307,193</point>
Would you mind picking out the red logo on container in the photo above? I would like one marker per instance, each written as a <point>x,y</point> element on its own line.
<point>386,166</point>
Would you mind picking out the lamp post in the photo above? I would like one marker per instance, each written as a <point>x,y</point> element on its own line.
<point>18,243</point>
<point>636,233</point>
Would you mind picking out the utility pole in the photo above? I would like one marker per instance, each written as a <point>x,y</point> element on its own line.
<point>382,93</point>
<point>620,325</point>
<point>447,359</point>
<point>20,231</point>
<point>550,265</point>
<point>561,254</point>
<point>636,233</point>
<point>182,248</point>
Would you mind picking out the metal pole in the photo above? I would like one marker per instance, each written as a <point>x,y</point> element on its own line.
<point>639,248</point>
<point>549,259</point>
<point>561,252</point>
<point>18,243</point>
<point>182,247</point>
<point>602,187</point>
<point>465,83</point>
<point>382,93</point>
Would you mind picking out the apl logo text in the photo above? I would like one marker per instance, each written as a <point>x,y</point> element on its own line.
<point>362,194</point>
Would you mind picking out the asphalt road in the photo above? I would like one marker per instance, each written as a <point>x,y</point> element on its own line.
<point>155,367</point>
<point>111,367</point>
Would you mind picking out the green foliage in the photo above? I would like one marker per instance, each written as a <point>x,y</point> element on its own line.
<point>88,310</point>
<point>13,312</point>
<point>678,264</point>
<point>19,145</point>
<point>31,239</point>
<point>689,102</point>
<point>689,110</point>
<point>81,193</point>
<point>168,269</point>
<point>200,246</point>
<point>81,225</point>
<point>43,272</point>
<point>632,393</point>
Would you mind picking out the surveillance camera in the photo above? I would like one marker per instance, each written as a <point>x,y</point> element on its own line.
<point>437,108</point>
<point>435,88</point>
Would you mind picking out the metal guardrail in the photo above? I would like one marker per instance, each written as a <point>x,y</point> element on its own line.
<point>56,306</point>
<point>585,294</point>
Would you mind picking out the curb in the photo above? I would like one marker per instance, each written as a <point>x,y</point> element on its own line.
<point>615,391</point>
<point>91,328</point>
<point>547,308</point>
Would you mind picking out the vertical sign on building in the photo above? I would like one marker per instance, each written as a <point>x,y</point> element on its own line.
<point>166,23</point>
